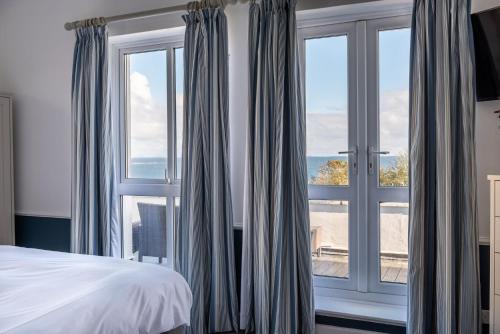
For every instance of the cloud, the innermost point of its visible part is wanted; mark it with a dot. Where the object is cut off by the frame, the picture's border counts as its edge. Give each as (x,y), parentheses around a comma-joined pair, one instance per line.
(394,116)
(339,108)
(327,131)
(148,120)
(179,102)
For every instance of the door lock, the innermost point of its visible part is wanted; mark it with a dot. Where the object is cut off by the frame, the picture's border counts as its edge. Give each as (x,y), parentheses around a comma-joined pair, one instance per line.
(371,158)
(354,154)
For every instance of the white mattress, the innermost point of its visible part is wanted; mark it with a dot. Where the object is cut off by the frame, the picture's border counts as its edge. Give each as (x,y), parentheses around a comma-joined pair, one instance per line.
(53,292)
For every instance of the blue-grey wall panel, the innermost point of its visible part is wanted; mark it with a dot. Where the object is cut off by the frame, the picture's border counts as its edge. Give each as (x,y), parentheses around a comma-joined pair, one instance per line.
(484,275)
(54,234)
(43,232)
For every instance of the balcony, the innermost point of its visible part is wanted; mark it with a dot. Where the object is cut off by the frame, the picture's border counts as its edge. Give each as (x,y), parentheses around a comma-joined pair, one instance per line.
(330,239)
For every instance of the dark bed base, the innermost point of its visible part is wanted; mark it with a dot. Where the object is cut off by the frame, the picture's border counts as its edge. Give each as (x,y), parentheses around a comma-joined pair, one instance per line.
(178,330)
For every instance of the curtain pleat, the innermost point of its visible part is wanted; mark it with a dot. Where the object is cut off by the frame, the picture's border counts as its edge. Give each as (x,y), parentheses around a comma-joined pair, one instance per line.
(95,223)
(276,292)
(443,278)
(204,234)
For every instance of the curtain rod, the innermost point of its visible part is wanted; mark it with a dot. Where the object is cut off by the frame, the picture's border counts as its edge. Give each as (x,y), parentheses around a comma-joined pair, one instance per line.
(116,18)
(146,13)
(153,12)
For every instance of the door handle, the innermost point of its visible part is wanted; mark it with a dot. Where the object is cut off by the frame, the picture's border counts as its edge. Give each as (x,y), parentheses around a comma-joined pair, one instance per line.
(371,158)
(354,154)
(347,152)
(380,152)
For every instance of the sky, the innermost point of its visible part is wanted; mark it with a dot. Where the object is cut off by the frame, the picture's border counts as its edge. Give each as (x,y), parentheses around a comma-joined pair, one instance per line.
(326,96)
(327,93)
(148,101)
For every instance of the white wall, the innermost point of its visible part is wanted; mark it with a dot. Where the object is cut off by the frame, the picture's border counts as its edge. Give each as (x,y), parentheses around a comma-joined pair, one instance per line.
(488,160)
(35,66)
(480,5)
(487,140)
(237,21)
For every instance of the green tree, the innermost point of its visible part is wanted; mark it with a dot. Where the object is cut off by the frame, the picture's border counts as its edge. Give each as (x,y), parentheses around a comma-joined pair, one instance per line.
(396,175)
(334,172)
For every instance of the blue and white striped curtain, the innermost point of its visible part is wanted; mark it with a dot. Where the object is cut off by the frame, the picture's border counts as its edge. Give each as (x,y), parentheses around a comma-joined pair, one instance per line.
(95,225)
(204,233)
(277,291)
(443,278)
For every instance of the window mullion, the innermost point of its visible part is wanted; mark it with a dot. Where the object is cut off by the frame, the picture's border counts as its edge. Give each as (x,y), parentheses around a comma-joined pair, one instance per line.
(170,231)
(170,115)
(379,194)
(363,242)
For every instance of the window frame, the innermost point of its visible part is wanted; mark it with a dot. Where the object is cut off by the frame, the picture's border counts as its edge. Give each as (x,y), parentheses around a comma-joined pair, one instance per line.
(331,192)
(377,193)
(168,188)
(364,235)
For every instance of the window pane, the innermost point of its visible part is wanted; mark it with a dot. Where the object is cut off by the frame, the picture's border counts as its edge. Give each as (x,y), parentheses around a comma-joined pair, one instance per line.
(330,237)
(394,70)
(147,115)
(177,210)
(145,229)
(393,242)
(327,110)
(179,102)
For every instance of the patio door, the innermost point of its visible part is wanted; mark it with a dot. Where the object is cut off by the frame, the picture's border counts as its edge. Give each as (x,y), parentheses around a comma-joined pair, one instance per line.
(329,55)
(387,152)
(356,88)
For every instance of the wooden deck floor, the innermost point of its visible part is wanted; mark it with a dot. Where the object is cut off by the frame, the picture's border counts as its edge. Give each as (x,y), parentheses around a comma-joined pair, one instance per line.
(393,270)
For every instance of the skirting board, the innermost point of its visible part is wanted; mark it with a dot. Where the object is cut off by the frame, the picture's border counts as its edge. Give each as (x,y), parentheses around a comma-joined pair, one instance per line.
(54,234)
(324,329)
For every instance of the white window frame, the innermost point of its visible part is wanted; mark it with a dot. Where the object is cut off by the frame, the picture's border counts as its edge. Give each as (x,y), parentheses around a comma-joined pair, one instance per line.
(376,193)
(347,193)
(361,24)
(168,188)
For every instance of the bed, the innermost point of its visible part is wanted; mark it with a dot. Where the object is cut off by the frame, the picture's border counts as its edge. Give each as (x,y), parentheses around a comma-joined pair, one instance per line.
(53,292)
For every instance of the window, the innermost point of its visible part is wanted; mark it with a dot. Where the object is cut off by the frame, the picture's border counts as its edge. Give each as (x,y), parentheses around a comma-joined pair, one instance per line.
(356,78)
(148,73)
(146,114)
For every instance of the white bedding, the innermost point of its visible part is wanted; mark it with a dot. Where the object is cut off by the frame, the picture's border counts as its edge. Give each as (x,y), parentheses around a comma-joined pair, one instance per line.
(53,292)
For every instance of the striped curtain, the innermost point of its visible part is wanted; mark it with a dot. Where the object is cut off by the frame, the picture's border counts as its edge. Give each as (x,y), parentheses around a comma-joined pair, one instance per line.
(277,292)
(443,281)
(95,225)
(204,234)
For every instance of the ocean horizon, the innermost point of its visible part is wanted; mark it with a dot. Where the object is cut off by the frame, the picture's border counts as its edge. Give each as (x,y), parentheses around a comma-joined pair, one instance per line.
(154,168)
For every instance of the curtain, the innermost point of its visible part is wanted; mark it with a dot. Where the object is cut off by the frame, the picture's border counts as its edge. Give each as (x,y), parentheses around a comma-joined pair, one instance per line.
(443,281)
(277,292)
(204,233)
(95,226)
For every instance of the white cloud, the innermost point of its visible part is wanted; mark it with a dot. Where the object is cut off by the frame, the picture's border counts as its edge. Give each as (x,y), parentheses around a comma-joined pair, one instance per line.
(327,132)
(179,101)
(148,120)
(394,116)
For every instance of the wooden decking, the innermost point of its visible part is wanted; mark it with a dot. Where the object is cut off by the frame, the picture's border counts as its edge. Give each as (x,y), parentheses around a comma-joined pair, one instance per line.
(393,270)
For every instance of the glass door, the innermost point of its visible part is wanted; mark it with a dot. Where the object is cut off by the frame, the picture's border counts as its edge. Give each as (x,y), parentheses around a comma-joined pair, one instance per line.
(356,84)
(329,64)
(387,151)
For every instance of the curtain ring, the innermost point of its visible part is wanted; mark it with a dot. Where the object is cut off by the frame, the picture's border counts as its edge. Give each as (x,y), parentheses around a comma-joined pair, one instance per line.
(93,22)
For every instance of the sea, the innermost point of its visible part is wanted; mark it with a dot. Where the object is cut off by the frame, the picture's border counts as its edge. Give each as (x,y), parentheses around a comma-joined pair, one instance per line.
(154,168)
